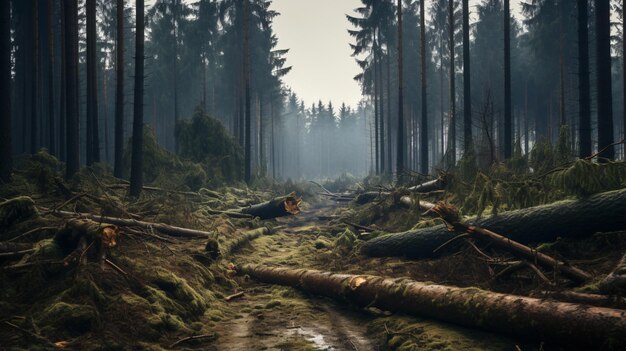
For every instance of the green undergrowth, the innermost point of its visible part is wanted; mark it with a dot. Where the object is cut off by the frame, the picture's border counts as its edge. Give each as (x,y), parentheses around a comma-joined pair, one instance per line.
(414,334)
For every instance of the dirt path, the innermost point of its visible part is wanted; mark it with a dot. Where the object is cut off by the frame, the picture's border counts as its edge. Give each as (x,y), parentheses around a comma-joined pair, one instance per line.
(281,318)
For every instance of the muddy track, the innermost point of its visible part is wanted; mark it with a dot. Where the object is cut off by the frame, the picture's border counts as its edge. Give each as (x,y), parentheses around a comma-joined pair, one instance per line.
(313,324)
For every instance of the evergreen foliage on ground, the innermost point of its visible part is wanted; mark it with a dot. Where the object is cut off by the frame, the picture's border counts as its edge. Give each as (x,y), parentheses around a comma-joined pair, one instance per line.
(204,140)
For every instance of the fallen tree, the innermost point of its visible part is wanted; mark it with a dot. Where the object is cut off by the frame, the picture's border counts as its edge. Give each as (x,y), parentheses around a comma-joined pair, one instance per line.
(231,246)
(278,207)
(161,227)
(563,323)
(569,218)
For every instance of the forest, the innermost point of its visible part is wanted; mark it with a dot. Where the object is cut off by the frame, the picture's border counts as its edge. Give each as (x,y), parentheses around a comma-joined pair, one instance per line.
(163,186)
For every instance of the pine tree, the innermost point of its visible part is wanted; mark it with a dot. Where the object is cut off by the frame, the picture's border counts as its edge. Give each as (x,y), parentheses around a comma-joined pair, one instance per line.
(508,125)
(93,140)
(71,84)
(584,104)
(467,87)
(424,125)
(400,137)
(603,80)
(5,91)
(119,91)
(136,167)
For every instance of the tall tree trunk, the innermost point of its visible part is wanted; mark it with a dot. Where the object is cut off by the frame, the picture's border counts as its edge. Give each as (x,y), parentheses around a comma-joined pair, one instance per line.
(52,124)
(93,142)
(381,112)
(584,100)
(452,117)
(441,109)
(248,117)
(5,91)
(35,81)
(624,75)
(105,95)
(376,109)
(508,141)
(71,76)
(467,88)
(400,137)
(63,88)
(388,158)
(136,167)
(603,71)
(176,116)
(119,91)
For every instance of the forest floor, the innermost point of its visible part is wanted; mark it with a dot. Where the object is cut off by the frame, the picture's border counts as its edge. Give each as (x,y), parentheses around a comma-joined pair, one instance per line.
(156,291)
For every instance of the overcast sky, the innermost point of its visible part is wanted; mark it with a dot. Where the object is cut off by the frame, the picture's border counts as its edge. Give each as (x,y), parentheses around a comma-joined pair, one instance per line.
(315,31)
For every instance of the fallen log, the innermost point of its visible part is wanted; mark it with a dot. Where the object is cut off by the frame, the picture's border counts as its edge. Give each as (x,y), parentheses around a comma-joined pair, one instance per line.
(201,192)
(563,323)
(586,298)
(451,216)
(278,207)
(14,250)
(569,218)
(436,184)
(163,228)
(615,282)
(245,237)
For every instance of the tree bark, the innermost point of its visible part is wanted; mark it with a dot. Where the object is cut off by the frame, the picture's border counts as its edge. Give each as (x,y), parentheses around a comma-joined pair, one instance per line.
(163,228)
(93,140)
(603,80)
(5,92)
(71,87)
(248,112)
(452,117)
(400,147)
(584,103)
(278,207)
(424,124)
(34,119)
(529,318)
(508,128)
(136,168)
(51,124)
(467,87)
(119,92)
(570,218)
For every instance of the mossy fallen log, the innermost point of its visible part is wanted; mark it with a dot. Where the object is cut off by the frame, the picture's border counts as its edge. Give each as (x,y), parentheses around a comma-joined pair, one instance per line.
(163,228)
(233,245)
(570,218)
(579,326)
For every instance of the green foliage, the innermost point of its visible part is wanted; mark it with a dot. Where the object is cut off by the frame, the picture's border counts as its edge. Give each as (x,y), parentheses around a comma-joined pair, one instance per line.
(204,140)
(563,147)
(164,168)
(345,241)
(15,211)
(584,178)
(542,158)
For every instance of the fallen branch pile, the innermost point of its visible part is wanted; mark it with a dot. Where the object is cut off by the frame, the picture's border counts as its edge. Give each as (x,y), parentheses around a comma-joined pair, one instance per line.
(569,218)
(567,324)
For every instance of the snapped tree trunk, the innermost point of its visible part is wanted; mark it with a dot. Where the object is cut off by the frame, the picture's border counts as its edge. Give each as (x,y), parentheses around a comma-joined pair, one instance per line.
(562,323)
(278,207)
(569,218)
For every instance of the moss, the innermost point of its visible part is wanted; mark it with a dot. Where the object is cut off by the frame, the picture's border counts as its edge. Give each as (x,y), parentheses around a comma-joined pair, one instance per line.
(345,241)
(407,333)
(16,210)
(76,319)
(272,304)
